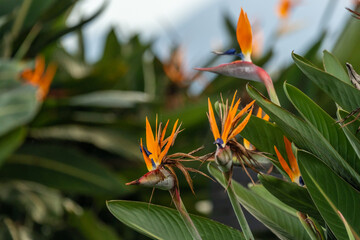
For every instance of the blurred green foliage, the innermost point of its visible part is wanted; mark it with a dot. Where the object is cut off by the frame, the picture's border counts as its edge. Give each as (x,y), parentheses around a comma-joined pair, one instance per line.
(61,158)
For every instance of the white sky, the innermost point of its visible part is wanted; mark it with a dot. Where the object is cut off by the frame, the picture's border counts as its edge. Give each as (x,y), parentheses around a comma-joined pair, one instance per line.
(198,24)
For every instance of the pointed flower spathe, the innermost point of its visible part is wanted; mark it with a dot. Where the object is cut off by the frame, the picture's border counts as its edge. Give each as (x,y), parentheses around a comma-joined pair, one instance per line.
(39,77)
(244,35)
(293,170)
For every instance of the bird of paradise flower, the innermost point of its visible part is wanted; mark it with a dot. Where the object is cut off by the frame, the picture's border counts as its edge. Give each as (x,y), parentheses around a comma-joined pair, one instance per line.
(40,78)
(160,167)
(244,68)
(293,170)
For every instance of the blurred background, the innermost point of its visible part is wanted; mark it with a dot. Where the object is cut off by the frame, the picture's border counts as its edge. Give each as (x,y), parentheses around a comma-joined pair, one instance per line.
(66,150)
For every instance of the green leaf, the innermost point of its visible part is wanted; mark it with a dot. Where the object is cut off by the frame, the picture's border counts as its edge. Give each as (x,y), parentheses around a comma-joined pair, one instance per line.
(291,194)
(106,139)
(342,93)
(62,168)
(330,194)
(17,107)
(334,67)
(279,218)
(10,142)
(305,136)
(327,126)
(110,99)
(160,222)
(350,130)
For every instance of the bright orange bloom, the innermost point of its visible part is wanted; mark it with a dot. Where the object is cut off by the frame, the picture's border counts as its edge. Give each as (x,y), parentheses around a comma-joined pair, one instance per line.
(229,121)
(39,77)
(156,147)
(259,114)
(292,171)
(284,7)
(174,67)
(244,35)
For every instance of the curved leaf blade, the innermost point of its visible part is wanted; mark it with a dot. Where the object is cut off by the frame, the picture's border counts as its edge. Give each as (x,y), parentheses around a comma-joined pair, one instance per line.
(342,93)
(325,124)
(291,194)
(279,218)
(334,67)
(306,137)
(330,194)
(160,222)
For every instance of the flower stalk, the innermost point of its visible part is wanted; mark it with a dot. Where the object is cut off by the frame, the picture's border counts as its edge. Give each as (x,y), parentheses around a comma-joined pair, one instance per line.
(237,208)
(175,195)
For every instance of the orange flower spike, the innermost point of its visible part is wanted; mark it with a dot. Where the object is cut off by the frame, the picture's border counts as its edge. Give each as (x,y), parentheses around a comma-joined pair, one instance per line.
(244,35)
(292,160)
(284,164)
(241,126)
(244,110)
(147,160)
(162,143)
(45,83)
(284,8)
(168,144)
(211,116)
(229,119)
(150,142)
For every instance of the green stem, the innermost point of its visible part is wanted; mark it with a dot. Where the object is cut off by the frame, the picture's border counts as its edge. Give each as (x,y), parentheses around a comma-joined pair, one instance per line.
(272,93)
(237,209)
(184,214)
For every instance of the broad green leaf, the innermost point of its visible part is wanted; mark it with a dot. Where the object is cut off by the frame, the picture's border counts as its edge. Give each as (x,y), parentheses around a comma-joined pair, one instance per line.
(350,130)
(334,67)
(110,99)
(342,93)
(17,107)
(279,218)
(62,168)
(264,135)
(291,194)
(325,124)
(305,136)
(10,142)
(160,222)
(106,139)
(330,194)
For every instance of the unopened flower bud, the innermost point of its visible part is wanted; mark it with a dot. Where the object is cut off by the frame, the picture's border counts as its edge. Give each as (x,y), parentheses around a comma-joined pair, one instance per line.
(223,158)
(158,178)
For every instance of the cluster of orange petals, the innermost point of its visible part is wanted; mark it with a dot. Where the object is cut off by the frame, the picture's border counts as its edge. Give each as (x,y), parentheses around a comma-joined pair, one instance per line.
(244,35)
(39,77)
(292,171)
(173,68)
(230,120)
(259,114)
(156,145)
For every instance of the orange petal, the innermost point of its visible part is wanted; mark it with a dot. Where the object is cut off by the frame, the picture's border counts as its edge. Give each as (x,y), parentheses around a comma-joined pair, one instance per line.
(146,158)
(283,9)
(259,113)
(266,117)
(244,35)
(168,144)
(248,145)
(230,120)
(161,143)
(244,110)
(292,160)
(212,121)
(241,126)
(284,164)
(150,141)
(44,84)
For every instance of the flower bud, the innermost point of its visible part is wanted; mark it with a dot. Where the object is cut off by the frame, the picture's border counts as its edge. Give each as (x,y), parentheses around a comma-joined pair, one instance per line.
(223,158)
(158,178)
